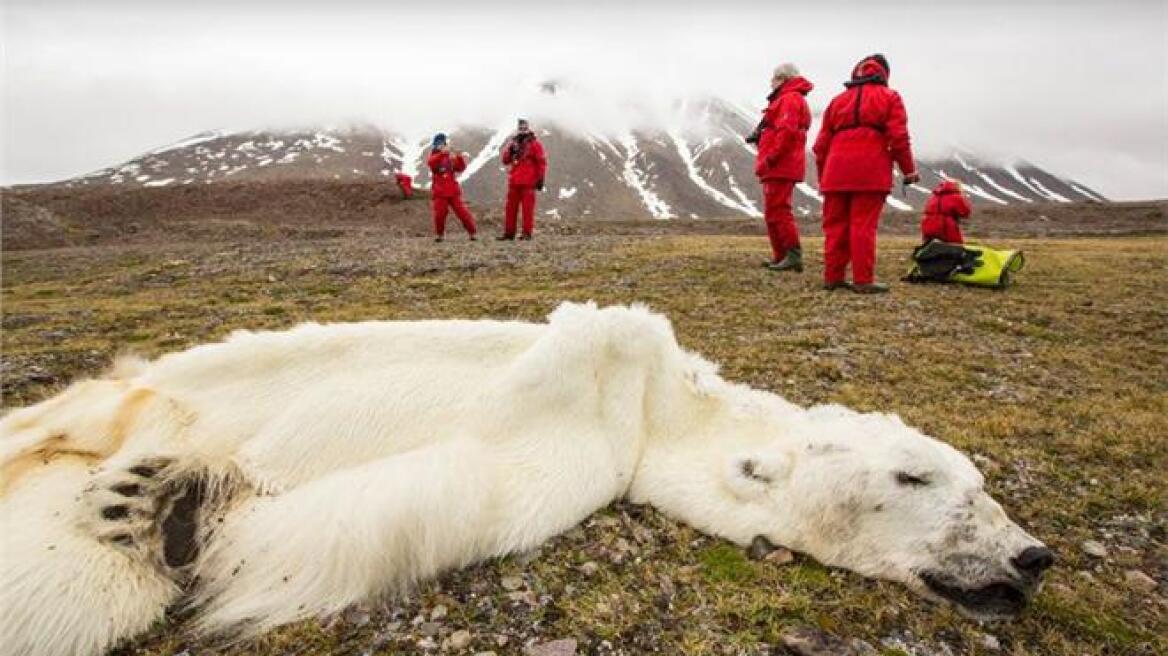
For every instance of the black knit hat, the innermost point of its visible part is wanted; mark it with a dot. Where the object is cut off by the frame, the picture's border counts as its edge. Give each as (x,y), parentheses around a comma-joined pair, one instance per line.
(879,58)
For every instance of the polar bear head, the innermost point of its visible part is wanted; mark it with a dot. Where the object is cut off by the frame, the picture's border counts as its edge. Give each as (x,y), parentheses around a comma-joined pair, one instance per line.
(867,493)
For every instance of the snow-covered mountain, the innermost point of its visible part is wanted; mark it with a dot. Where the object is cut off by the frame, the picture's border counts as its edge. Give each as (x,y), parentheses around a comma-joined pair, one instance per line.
(701,168)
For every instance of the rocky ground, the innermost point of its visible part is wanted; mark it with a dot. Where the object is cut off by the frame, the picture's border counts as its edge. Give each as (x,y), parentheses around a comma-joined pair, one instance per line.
(1058,388)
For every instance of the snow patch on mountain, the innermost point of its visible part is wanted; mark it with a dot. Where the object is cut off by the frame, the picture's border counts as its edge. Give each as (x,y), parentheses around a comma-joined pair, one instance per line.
(491,151)
(687,158)
(809,191)
(1089,194)
(982,193)
(639,181)
(742,197)
(993,183)
(1017,175)
(1048,193)
(389,156)
(898,204)
(410,157)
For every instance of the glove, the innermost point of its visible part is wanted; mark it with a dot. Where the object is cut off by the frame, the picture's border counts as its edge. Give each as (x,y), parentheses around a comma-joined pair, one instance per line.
(912,178)
(539,185)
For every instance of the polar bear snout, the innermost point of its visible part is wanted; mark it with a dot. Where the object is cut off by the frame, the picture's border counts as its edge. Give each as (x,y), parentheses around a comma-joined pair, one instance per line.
(985,590)
(1033,561)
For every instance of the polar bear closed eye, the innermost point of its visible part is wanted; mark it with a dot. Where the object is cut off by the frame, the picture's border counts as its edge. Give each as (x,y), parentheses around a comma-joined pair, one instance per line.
(416,447)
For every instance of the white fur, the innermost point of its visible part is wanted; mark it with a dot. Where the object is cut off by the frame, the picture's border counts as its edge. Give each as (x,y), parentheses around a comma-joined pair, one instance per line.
(354,459)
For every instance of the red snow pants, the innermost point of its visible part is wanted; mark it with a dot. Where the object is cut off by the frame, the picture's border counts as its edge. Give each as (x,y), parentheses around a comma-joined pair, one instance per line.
(780,222)
(519,195)
(850,219)
(440,206)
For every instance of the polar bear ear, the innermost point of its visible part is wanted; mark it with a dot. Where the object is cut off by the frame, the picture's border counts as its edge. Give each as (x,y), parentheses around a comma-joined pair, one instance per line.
(749,476)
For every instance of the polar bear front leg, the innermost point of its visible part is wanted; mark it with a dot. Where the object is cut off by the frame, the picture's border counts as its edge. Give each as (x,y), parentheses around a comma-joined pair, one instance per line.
(348,536)
(64,588)
(124,508)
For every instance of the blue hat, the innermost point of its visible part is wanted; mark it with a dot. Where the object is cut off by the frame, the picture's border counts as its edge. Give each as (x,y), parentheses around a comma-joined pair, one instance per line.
(439,140)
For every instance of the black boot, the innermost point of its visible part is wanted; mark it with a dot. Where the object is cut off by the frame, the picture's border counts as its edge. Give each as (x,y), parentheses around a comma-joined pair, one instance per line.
(871,288)
(793,261)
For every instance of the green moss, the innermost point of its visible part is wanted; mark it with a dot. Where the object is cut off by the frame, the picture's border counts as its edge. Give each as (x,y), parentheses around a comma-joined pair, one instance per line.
(726,563)
(1088,622)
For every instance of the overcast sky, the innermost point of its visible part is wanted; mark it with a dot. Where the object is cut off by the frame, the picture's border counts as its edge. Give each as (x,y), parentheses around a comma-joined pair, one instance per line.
(1080,88)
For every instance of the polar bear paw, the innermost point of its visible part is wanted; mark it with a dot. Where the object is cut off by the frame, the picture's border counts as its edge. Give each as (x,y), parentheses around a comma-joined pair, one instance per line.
(125,507)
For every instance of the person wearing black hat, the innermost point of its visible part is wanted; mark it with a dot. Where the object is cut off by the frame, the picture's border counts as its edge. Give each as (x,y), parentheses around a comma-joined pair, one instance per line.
(864,131)
(445,192)
(524,155)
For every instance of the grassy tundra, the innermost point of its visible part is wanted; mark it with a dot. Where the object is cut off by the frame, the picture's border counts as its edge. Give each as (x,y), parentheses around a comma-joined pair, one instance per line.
(1058,388)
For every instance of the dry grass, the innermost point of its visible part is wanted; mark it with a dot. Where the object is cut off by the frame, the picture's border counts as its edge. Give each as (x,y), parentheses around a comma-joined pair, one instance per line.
(1057,387)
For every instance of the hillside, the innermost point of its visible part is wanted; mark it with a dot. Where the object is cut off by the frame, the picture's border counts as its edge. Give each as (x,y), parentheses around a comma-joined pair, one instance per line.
(696,165)
(51,216)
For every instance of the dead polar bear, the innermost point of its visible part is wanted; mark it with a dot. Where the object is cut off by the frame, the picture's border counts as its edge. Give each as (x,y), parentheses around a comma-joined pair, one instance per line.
(335,463)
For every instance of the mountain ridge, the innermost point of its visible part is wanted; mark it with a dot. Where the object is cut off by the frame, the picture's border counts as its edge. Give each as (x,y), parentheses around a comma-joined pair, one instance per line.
(698,166)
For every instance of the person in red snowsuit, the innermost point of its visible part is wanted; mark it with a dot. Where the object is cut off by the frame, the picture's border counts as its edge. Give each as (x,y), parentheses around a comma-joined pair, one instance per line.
(445,191)
(523,154)
(864,131)
(943,212)
(782,141)
(405,183)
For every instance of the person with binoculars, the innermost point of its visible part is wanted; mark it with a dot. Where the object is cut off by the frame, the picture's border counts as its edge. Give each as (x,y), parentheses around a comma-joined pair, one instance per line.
(781,138)
(523,154)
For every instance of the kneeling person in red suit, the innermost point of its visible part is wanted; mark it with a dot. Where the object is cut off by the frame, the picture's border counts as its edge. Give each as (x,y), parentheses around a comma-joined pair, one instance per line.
(943,212)
(405,183)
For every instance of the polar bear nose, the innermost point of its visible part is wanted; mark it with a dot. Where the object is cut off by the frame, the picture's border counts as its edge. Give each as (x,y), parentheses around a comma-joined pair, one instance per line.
(1034,560)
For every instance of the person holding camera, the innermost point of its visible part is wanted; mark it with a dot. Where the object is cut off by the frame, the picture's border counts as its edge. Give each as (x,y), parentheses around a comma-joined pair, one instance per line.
(781,138)
(864,131)
(445,192)
(523,154)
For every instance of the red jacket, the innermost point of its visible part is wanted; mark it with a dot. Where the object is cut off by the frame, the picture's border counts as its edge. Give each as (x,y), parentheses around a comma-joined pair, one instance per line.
(527,161)
(944,209)
(444,170)
(865,130)
(405,183)
(783,144)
